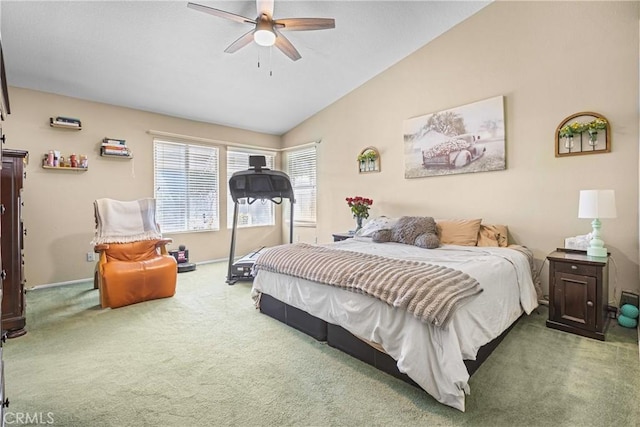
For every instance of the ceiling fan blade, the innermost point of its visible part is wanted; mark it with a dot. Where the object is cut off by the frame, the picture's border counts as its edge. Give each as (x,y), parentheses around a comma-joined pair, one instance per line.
(286,47)
(220,13)
(264,6)
(242,41)
(305,24)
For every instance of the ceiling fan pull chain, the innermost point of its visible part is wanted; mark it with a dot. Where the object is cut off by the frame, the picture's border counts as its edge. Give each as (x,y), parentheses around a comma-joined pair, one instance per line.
(270,61)
(258,58)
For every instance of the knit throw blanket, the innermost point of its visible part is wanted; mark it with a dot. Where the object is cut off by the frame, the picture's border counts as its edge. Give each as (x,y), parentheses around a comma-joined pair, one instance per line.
(124,222)
(432,293)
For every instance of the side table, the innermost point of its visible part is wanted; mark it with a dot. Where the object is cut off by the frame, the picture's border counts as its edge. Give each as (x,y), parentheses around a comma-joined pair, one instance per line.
(341,236)
(578,293)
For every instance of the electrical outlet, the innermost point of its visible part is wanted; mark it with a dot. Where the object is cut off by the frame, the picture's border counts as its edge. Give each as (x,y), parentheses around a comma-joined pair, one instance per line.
(90,257)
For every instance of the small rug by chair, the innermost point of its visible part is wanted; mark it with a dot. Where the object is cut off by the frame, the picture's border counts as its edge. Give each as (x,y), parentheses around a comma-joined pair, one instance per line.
(123,222)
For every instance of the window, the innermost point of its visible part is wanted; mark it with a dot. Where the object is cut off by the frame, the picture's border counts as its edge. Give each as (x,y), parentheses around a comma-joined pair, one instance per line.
(259,212)
(186,186)
(301,167)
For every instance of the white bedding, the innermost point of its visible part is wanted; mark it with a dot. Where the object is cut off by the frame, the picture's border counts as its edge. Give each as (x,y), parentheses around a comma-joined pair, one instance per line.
(431,356)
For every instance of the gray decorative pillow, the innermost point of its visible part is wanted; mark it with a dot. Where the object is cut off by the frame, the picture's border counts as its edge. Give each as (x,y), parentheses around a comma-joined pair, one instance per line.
(411,230)
(381,236)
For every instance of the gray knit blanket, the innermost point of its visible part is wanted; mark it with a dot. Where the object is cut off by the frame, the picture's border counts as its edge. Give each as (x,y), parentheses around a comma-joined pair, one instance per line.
(432,293)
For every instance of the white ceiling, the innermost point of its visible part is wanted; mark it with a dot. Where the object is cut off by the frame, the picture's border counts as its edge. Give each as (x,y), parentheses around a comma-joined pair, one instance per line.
(163,57)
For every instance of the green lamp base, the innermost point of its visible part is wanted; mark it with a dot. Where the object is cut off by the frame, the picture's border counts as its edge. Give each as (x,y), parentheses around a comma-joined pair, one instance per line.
(597,252)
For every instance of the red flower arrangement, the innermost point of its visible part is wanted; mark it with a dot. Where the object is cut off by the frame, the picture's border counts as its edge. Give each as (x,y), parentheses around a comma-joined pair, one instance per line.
(359,206)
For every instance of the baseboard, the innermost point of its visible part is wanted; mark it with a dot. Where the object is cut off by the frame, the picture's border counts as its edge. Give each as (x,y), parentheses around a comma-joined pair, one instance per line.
(55,285)
(90,279)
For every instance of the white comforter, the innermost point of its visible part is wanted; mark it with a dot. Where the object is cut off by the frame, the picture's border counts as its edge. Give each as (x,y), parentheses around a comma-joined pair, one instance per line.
(431,356)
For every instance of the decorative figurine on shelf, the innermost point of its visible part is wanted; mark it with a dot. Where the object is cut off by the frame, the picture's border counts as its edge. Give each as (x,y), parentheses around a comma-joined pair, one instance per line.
(359,208)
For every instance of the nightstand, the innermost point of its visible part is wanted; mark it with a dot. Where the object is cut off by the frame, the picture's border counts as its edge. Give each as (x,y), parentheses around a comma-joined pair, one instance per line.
(341,236)
(578,293)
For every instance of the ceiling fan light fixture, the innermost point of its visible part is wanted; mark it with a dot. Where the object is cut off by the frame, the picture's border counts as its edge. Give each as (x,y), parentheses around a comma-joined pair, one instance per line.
(267,31)
(264,37)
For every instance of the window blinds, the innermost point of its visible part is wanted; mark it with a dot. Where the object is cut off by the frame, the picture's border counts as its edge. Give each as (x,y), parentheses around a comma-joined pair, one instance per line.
(301,168)
(186,186)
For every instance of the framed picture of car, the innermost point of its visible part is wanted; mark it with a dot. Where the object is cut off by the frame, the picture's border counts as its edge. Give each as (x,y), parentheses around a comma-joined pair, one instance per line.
(464,139)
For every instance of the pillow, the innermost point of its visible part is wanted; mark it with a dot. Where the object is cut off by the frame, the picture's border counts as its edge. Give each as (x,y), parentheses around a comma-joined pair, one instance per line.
(493,235)
(380,223)
(463,232)
(410,230)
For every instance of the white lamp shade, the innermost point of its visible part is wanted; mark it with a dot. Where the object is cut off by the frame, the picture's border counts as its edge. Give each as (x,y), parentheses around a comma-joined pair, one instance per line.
(264,37)
(597,204)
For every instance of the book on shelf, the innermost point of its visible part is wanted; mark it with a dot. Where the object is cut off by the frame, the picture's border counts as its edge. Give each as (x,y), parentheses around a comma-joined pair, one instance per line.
(110,152)
(113,141)
(67,119)
(63,123)
(114,147)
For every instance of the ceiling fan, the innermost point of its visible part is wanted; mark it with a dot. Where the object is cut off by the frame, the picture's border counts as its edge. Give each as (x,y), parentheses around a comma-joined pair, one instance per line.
(267,30)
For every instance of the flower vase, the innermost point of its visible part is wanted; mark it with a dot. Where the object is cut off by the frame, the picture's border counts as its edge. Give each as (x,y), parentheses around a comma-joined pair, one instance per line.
(568,142)
(358,223)
(593,139)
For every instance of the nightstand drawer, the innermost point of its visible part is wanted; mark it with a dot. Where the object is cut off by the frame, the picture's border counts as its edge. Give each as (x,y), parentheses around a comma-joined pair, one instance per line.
(574,268)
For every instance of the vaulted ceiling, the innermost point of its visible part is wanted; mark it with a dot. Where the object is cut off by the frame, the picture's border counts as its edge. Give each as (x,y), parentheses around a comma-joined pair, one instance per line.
(163,57)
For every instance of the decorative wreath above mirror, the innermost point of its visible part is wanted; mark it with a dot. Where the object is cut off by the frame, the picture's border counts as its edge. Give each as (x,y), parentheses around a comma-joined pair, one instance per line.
(369,160)
(583,133)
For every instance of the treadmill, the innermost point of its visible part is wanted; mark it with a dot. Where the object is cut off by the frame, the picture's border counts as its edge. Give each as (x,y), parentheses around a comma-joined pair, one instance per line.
(256,183)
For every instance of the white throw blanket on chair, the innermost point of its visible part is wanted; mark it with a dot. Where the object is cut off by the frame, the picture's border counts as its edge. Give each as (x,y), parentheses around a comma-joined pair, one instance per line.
(123,222)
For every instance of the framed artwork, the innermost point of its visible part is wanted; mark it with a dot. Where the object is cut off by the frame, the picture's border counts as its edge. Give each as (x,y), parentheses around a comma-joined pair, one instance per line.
(464,139)
(583,133)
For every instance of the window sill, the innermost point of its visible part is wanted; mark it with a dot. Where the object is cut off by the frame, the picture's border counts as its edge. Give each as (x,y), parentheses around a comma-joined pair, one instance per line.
(302,225)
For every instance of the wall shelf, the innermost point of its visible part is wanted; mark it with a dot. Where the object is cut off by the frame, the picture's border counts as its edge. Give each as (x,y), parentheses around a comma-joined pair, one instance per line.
(116,156)
(55,123)
(114,147)
(64,168)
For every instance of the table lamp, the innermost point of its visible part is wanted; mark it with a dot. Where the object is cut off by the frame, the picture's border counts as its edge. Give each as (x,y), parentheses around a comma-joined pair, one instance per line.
(596,204)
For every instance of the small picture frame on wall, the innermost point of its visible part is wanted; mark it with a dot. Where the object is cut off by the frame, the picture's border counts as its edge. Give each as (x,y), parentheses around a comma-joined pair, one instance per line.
(583,133)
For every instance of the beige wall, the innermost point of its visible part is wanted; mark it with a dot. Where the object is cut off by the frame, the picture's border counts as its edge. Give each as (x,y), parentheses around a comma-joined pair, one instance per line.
(546,66)
(549,60)
(58,212)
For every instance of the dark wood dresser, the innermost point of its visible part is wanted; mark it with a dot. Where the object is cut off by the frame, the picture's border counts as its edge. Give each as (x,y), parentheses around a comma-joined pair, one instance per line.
(13,304)
(4,111)
(578,293)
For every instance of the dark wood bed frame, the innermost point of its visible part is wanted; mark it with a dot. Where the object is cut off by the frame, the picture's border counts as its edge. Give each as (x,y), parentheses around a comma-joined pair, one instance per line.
(343,340)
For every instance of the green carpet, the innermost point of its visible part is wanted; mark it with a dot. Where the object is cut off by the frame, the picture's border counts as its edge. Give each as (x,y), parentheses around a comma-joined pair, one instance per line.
(206,357)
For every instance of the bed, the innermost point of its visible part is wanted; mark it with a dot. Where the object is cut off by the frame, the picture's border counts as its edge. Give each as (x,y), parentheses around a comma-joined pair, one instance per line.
(431,356)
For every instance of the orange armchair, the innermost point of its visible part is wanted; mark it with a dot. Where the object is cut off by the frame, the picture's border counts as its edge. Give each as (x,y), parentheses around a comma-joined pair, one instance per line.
(128,273)
(134,265)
